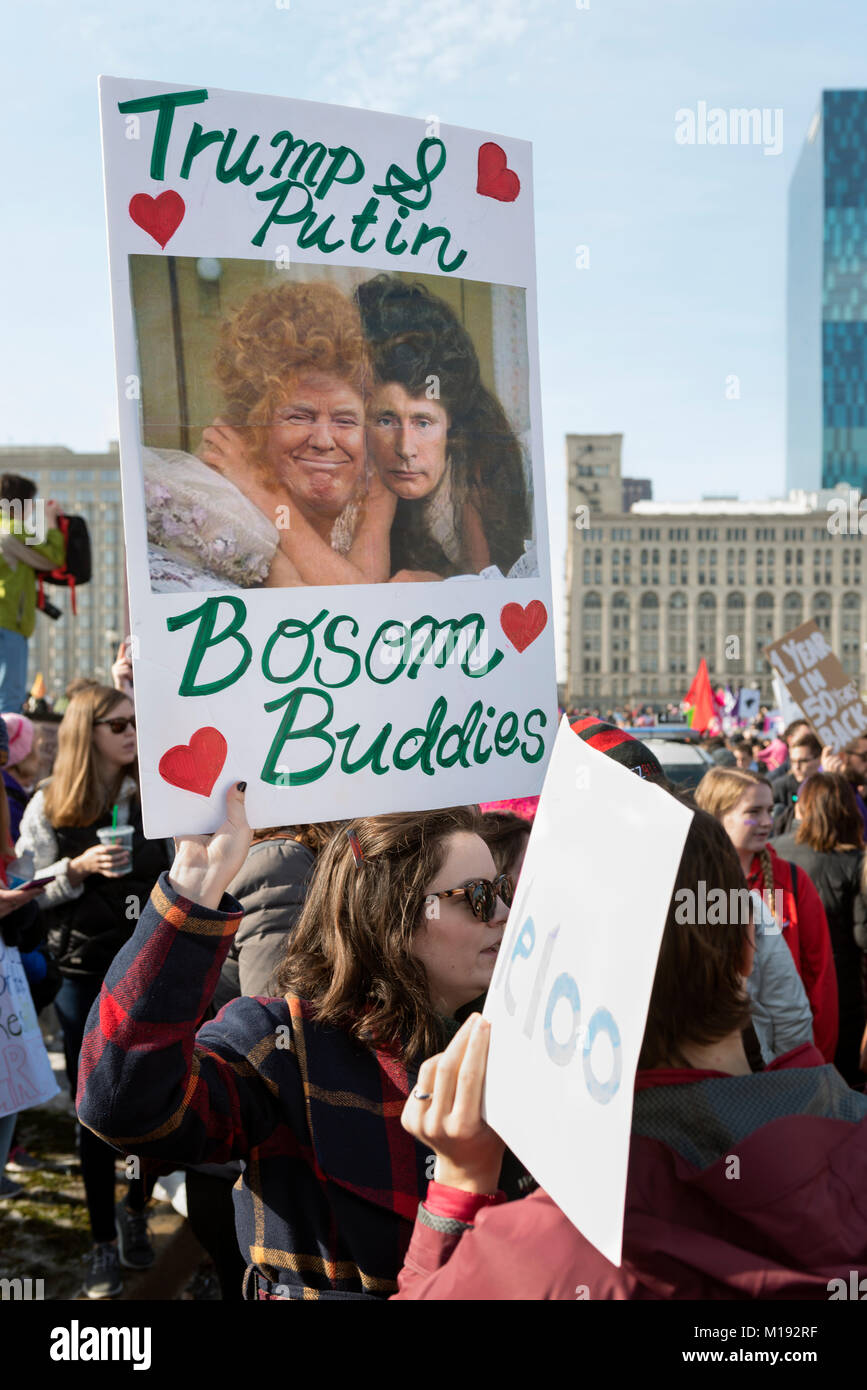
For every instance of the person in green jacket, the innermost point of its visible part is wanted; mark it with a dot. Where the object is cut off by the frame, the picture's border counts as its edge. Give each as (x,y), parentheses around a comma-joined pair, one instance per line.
(22,551)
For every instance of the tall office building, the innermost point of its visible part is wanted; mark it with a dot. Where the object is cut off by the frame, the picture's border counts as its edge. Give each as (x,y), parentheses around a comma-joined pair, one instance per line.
(89,486)
(827,299)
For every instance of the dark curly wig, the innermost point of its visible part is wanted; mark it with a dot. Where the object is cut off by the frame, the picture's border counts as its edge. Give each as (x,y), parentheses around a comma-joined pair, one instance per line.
(413,335)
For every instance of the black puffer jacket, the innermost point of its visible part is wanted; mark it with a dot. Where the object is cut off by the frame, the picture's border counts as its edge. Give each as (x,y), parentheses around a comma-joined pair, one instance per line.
(271,888)
(837,878)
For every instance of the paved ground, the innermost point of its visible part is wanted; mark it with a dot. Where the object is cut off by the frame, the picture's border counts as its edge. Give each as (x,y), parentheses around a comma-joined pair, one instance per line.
(44,1232)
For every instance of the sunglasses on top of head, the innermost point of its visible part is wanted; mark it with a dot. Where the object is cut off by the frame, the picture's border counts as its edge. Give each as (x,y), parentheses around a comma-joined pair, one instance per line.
(482,894)
(118,726)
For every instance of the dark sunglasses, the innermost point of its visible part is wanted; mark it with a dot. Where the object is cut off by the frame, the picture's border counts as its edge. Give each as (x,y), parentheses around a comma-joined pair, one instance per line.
(482,895)
(117,726)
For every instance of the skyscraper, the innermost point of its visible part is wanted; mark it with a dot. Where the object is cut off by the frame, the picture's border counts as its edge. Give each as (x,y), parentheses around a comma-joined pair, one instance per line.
(827,299)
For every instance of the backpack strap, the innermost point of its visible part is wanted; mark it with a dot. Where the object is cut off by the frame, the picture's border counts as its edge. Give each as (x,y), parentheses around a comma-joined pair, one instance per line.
(794,869)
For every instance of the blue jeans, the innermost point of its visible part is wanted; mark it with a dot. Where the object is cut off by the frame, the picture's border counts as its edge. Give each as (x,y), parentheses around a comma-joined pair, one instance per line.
(13,670)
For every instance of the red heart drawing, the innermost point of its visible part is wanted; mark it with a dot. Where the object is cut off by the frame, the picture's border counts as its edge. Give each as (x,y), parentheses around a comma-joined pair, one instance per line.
(159,217)
(496,179)
(195,766)
(523,625)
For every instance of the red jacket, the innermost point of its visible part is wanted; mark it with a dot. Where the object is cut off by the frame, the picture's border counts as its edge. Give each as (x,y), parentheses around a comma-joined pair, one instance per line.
(805,932)
(717,1205)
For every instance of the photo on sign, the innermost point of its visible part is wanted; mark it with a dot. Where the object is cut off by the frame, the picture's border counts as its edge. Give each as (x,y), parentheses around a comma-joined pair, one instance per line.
(317,425)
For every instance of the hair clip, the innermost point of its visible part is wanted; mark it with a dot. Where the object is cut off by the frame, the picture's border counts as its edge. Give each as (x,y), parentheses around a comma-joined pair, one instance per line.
(357,851)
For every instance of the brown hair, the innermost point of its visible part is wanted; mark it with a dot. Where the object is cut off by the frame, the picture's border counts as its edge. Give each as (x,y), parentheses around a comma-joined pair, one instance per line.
(505,834)
(350,954)
(721,788)
(791,727)
(275,335)
(315,837)
(829,815)
(806,739)
(75,795)
(698,993)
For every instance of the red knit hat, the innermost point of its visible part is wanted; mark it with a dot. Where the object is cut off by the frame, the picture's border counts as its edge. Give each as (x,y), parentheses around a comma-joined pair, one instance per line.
(622,747)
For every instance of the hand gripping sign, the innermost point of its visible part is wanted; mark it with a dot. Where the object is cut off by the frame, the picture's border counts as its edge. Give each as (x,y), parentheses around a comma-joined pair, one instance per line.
(568,1001)
(331,456)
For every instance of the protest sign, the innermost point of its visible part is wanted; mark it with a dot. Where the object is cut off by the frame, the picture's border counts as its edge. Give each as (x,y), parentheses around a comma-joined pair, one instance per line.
(749,703)
(569,997)
(26,1077)
(328,379)
(788,709)
(816,682)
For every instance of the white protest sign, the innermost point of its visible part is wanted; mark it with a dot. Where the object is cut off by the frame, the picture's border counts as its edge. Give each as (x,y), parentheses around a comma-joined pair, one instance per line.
(325,332)
(789,709)
(26,1077)
(568,1001)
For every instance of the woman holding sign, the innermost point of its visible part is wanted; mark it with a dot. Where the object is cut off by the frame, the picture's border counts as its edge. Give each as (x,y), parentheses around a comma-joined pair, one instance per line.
(700,1120)
(400,930)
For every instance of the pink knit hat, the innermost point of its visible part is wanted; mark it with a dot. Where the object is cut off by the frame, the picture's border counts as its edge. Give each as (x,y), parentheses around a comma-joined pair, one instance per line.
(20,731)
(525,807)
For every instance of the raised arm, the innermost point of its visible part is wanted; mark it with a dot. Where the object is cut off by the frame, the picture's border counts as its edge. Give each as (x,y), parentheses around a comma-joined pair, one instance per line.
(148,1082)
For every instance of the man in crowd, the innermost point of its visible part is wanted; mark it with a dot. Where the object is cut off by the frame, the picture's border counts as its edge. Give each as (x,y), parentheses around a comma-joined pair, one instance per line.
(19,559)
(852,763)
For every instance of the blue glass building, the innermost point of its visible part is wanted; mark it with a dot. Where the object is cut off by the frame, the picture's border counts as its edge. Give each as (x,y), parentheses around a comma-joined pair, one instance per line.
(827,299)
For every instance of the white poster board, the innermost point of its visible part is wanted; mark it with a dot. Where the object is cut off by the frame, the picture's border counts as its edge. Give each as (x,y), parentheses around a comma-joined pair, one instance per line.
(569,997)
(295,432)
(26,1077)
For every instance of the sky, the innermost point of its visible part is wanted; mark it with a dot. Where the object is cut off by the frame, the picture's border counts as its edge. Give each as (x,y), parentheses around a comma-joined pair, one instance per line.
(685,286)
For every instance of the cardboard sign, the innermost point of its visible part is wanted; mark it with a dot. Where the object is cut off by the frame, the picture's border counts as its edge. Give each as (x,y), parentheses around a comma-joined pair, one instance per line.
(568,1001)
(816,682)
(26,1077)
(330,438)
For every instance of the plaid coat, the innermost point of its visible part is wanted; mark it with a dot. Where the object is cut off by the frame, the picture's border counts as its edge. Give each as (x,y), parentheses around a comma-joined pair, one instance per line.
(327,1202)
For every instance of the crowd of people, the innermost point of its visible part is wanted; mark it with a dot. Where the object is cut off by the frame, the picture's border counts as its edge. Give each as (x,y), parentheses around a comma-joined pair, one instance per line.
(292,1019)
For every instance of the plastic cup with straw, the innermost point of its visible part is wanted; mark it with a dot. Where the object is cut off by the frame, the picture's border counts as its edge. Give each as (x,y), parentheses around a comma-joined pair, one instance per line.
(121,835)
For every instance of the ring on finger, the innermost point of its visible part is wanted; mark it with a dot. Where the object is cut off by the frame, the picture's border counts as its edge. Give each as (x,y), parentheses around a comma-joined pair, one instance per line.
(421,1095)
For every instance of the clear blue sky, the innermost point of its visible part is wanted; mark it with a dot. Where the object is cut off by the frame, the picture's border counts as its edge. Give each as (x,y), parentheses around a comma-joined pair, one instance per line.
(687,244)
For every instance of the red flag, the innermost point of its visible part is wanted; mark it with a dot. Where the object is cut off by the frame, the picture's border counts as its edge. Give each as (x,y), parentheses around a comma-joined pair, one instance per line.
(700,698)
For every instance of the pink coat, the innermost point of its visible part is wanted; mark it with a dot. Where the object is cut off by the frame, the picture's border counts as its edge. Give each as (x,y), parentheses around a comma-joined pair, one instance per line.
(717,1205)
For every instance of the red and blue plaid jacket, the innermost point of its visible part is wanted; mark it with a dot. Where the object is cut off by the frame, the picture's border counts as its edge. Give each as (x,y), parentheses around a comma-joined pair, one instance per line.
(328,1198)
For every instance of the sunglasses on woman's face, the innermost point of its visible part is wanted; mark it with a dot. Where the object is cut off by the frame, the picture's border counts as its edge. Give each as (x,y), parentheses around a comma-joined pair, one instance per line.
(118,726)
(482,894)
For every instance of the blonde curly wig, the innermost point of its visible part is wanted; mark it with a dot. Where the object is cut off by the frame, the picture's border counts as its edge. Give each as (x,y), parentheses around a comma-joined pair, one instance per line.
(274,336)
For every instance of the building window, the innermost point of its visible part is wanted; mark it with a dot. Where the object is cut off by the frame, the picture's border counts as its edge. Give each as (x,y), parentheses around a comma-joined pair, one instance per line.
(850,634)
(648,639)
(734,637)
(706,629)
(765,630)
(822,614)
